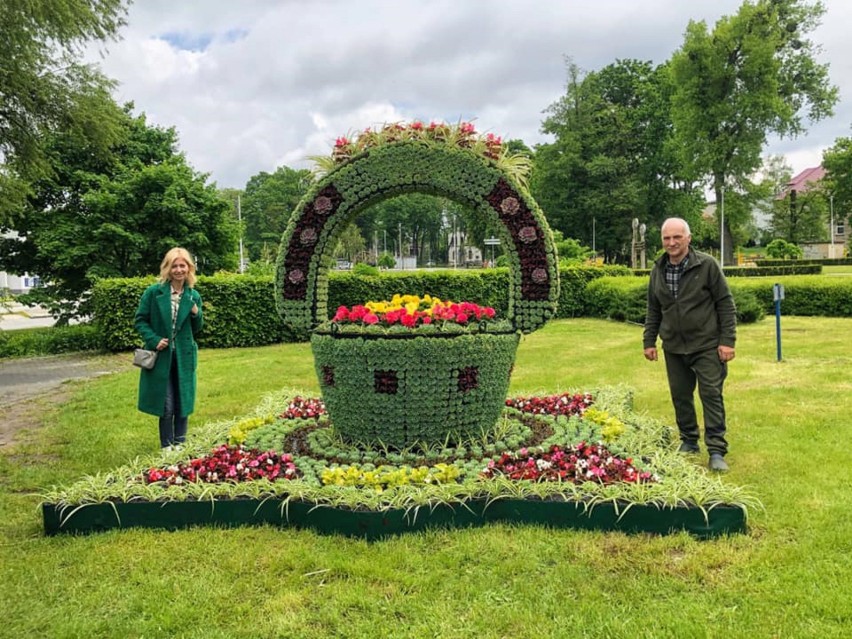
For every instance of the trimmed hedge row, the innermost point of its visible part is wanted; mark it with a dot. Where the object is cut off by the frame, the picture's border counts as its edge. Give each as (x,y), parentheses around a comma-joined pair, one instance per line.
(239,310)
(805,295)
(51,340)
(625,299)
(842,261)
(784,267)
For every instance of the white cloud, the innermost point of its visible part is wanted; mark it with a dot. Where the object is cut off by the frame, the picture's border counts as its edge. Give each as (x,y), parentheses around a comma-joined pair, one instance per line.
(250,86)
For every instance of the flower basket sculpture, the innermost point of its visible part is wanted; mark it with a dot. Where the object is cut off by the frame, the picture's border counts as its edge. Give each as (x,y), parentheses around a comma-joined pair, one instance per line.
(399,381)
(403,385)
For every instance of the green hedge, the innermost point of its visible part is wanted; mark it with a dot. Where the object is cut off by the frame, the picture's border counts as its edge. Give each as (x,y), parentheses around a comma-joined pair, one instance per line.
(239,309)
(805,295)
(625,299)
(783,267)
(844,261)
(51,340)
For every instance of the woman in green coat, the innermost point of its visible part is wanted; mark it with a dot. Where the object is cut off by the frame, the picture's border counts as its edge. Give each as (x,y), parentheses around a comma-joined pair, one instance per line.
(168,319)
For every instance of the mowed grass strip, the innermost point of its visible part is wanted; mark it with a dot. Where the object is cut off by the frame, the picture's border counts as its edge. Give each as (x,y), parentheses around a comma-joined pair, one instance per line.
(788,577)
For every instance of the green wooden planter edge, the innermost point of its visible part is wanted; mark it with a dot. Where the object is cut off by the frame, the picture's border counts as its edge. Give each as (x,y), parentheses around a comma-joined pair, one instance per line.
(372,525)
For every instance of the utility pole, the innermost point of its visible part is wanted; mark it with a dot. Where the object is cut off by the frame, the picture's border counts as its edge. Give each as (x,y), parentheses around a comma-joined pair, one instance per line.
(831,225)
(722,230)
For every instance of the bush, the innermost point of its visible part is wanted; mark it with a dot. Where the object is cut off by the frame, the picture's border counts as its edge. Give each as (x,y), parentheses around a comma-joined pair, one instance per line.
(805,295)
(749,307)
(30,342)
(386,260)
(626,299)
(362,268)
(782,249)
(765,269)
(239,310)
(842,261)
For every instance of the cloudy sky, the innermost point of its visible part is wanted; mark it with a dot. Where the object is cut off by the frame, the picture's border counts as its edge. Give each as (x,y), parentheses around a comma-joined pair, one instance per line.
(256,84)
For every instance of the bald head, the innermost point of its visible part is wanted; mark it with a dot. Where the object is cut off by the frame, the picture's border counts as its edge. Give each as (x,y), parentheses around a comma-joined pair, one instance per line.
(676,238)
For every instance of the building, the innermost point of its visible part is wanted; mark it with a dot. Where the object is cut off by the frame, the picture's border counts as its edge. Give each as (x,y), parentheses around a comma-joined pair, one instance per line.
(838,224)
(17,284)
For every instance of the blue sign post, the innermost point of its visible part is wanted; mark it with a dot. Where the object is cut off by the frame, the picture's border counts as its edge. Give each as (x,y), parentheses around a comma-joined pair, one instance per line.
(777,296)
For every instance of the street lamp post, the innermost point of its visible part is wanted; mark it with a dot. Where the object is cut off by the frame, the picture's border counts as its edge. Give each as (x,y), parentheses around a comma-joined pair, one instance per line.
(722,229)
(240,222)
(831,225)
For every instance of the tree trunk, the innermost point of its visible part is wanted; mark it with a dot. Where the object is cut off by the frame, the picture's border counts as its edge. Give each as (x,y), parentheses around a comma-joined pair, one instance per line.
(725,235)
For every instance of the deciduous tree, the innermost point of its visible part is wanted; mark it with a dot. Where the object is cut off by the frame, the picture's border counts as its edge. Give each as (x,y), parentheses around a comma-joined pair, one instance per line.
(114,213)
(267,202)
(45,88)
(754,74)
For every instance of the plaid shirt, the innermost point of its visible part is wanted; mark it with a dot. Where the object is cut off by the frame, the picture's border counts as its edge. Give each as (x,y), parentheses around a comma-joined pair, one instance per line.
(673,273)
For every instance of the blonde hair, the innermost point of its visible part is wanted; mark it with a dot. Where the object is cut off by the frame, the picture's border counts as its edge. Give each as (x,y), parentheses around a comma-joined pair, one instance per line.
(168,260)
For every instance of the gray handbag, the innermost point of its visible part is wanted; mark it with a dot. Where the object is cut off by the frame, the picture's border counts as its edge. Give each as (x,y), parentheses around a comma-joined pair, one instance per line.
(144,358)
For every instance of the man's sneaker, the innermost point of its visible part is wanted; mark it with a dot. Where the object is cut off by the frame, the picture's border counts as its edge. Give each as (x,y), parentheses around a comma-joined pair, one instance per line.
(717,463)
(686,447)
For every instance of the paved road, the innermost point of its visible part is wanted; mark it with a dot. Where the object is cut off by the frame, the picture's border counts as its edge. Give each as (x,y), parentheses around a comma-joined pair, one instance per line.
(26,378)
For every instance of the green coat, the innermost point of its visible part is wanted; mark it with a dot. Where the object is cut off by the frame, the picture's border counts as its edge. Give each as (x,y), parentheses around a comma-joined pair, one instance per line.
(153,322)
(702,317)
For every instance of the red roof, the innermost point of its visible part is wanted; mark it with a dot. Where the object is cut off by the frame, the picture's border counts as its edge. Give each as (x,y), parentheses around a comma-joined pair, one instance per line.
(804,181)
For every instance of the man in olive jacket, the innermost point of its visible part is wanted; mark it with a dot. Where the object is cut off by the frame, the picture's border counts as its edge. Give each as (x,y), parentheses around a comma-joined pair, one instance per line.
(691,308)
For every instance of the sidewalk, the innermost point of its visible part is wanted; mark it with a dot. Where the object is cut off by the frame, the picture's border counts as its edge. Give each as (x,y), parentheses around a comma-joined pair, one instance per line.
(17,316)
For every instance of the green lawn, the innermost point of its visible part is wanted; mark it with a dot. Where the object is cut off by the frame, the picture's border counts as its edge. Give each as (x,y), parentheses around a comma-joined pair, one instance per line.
(788,577)
(837,270)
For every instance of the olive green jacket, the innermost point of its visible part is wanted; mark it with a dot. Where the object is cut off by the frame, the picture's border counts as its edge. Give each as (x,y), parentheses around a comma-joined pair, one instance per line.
(702,317)
(153,322)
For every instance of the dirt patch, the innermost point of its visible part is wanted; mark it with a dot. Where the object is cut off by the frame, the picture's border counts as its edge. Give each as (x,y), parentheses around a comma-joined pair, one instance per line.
(29,386)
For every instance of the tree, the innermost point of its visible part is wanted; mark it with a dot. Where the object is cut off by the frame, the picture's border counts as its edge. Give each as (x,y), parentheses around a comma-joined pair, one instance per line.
(837,162)
(754,74)
(114,214)
(800,216)
(350,245)
(780,249)
(417,216)
(611,160)
(268,200)
(44,88)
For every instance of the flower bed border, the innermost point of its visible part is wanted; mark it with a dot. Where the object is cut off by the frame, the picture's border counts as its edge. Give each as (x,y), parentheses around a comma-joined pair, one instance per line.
(375,525)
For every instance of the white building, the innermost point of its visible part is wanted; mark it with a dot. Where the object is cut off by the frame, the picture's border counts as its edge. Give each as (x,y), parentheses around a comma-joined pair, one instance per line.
(17,284)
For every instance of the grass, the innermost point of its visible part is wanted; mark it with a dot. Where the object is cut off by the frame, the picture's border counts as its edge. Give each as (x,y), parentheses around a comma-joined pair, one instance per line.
(788,577)
(844,270)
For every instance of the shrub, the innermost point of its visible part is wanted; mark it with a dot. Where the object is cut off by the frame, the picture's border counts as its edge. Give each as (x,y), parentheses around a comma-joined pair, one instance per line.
(362,268)
(30,342)
(782,249)
(805,295)
(626,299)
